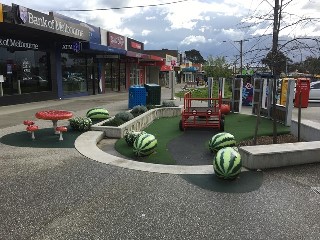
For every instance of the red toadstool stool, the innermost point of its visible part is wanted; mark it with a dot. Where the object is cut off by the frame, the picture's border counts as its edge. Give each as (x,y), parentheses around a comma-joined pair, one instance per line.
(61,129)
(28,122)
(32,129)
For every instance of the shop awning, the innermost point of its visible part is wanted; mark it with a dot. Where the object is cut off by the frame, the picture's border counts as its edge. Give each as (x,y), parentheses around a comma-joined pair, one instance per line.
(88,46)
(137,55)
(190,69)
(166,68)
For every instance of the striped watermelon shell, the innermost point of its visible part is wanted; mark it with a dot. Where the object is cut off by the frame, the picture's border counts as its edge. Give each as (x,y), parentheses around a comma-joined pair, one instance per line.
(221,140)
(227,163)
(98,113)
(131,136)
(144,145)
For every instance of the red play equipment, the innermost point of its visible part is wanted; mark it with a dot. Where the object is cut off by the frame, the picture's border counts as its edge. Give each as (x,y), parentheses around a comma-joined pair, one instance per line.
(201,117)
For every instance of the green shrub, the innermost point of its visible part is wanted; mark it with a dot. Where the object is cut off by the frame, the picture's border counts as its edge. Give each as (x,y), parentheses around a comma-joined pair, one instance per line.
(151,106)
(131,136)
(125,116)
(137,110)
(168,104)
(115,122)
(81,124)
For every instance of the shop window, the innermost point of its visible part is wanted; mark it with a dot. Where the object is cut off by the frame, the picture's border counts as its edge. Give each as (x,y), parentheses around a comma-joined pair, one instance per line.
(24,71)
(115,76)
(134,75)
(74,73)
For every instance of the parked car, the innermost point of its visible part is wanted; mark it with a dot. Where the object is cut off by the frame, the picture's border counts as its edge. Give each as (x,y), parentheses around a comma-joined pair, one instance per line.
(314,91)
(40,81)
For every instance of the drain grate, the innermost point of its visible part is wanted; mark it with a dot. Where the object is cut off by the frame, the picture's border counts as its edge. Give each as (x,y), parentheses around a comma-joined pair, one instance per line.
(316,189)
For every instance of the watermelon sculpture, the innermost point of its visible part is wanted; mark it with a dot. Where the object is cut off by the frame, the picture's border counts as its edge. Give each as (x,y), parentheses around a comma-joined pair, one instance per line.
(144,145)
(131,136)
(97,113)
(227,163)
(221,140)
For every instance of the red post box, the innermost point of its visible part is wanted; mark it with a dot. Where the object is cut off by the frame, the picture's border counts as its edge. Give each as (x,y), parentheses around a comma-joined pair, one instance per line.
(303,87)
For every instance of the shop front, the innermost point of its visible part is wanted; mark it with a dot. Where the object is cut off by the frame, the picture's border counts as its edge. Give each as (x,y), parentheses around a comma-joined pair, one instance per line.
(135,52)
(30,47)
(113,66)
(152,65)
(144,68)
(80,70)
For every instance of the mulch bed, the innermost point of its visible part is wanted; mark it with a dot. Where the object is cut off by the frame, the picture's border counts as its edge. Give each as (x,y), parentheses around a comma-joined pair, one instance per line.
(266,140)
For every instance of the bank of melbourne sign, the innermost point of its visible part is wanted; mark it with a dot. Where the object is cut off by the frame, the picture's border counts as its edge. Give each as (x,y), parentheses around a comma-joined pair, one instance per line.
(50,23)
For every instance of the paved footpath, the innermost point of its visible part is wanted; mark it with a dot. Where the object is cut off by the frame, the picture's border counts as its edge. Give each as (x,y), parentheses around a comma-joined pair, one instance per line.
(59,194)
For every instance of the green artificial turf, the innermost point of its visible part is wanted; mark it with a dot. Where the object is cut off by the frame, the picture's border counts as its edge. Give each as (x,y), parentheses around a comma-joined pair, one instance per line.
(242,126)
(166,129)
(44,138)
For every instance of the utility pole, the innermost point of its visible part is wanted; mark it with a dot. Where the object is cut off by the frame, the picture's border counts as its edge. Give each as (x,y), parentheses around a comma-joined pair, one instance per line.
(241,54)
(275,38)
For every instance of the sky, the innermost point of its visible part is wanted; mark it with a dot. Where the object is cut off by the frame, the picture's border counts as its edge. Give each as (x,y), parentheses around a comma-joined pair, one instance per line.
(213,27)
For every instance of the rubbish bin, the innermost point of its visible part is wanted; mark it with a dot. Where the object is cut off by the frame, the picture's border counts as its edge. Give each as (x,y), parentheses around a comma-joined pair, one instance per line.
(137,96)
(303,87)
(153,94)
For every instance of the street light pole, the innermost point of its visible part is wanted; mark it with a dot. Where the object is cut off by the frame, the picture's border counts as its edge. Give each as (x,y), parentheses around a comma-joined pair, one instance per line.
(241,52)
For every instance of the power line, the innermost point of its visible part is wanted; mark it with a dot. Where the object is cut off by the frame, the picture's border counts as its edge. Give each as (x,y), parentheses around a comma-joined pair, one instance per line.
(119,8)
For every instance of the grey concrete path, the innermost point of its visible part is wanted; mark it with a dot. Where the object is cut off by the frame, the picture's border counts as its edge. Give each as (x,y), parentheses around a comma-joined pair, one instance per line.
(59,194)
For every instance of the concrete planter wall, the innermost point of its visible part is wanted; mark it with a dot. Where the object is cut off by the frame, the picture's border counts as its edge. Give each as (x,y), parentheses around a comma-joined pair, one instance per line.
(288,154)
(138,123)
(309,130)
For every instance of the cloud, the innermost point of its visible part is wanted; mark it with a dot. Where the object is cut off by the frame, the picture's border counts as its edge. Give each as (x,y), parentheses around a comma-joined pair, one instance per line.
(232,33)
(204,28)
(145,32)
(150,18)
(193,39)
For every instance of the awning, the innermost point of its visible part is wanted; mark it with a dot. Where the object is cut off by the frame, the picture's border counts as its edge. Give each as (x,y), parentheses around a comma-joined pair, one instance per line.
(190,69)
(166,68)
(137,55)
(151,63)
(88,46)
(156,58)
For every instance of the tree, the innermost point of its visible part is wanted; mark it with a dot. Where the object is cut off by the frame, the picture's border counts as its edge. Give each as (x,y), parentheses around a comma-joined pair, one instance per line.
(194,56)
(312,65)
(277,61)
(217,67)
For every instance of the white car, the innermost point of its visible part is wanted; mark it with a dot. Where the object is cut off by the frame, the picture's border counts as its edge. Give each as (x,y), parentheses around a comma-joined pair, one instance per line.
(314,91)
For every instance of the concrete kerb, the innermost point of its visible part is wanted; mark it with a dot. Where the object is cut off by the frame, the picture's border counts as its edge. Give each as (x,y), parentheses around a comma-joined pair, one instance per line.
(86,144)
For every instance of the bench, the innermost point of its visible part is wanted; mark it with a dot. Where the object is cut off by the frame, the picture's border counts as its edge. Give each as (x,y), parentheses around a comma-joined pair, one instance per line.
(280,155)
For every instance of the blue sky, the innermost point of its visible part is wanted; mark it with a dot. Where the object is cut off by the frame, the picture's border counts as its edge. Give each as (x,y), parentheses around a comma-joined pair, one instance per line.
(211,27)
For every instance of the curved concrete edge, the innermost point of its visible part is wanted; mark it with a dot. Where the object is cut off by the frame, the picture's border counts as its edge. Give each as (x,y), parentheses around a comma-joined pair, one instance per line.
(86,144)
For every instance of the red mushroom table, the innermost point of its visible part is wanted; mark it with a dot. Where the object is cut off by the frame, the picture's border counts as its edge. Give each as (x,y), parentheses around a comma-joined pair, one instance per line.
(54,116)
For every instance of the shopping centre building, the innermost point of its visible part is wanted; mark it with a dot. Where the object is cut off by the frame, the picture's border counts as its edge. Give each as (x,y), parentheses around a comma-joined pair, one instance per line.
(51,56)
